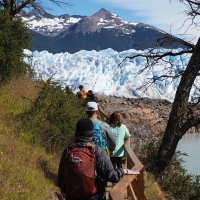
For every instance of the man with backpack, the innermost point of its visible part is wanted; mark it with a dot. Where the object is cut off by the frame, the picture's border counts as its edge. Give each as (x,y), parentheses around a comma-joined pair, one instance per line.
(103,135)
(81,94)
(84,167)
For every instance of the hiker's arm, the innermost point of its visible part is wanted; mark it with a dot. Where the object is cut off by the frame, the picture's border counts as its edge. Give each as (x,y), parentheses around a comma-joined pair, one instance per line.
(127,134)
(110,137)
(96,99)
(105,168)
(78,95)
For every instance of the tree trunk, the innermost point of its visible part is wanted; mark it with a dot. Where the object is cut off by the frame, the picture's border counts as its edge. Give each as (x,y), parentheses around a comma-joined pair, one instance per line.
(174,130)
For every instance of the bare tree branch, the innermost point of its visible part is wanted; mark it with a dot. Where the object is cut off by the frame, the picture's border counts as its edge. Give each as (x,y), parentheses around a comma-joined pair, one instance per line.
(153,56)
(14,7)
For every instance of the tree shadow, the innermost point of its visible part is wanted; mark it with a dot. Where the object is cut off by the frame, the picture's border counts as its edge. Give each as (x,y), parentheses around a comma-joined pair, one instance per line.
(43,164)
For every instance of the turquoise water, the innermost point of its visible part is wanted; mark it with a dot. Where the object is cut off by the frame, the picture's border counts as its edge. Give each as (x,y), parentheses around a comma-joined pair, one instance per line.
(190,144)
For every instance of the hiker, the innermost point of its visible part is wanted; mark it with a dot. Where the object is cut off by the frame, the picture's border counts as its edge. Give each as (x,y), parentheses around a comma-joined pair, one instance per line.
(103,136)
(121,133)
(92,96)
(82,177)
(81,94)
(68,89)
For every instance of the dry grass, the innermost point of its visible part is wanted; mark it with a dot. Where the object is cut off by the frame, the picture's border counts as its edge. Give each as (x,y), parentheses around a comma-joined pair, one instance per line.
(152,189)
(26,172)
(14,96)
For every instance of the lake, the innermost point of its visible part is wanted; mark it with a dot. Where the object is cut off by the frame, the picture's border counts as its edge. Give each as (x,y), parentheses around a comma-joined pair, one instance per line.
(190,144)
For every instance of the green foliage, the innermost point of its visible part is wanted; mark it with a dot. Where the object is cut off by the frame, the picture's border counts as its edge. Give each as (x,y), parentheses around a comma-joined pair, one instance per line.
(14,37)
(147,152)
(175,180)
(53,116)
(179,183)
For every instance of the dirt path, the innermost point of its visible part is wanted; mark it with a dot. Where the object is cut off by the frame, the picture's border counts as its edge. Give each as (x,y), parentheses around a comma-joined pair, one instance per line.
(55,194)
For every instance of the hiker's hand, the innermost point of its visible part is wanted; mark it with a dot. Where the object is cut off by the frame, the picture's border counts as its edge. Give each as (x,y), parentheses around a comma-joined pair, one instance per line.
(128,171)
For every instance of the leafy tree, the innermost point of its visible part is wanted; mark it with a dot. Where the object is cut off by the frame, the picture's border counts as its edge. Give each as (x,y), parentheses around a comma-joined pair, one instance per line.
(14,37)
(184,114)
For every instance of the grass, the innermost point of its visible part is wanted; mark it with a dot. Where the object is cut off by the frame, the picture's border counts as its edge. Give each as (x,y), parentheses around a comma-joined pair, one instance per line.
(26,171)
(22,172)
(152,189)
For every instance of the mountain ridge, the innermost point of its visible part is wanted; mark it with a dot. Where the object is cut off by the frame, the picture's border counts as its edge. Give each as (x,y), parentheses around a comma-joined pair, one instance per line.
(99,31)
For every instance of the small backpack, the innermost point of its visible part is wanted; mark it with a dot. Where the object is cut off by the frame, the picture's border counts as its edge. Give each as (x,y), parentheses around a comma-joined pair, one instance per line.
(79,169)
(83,94)
(99,138)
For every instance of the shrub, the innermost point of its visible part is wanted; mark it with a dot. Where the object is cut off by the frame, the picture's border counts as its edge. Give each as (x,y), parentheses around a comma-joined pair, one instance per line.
(175,180)
(52,117)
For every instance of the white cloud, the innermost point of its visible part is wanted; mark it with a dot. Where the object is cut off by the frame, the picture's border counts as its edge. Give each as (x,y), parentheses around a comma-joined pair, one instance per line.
(160,13)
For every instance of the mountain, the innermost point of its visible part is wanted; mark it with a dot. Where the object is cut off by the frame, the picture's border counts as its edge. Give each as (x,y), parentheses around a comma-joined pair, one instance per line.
(49,25)
(100,31)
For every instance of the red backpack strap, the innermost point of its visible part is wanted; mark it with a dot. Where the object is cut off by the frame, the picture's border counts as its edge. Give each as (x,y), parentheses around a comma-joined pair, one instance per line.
(70,147)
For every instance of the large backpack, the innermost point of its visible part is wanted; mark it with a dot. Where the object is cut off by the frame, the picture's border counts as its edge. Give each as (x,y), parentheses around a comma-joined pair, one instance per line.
(79,169)
(99,137)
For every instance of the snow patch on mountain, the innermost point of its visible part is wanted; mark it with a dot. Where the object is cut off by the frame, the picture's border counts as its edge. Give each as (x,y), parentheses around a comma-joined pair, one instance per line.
(50,26)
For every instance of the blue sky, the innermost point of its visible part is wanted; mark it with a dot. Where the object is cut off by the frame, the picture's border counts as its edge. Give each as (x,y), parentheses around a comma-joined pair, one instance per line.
(159,13)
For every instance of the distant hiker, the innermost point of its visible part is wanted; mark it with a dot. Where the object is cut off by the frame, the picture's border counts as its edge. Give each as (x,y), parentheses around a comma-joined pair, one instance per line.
(81,94)
(68,89)
(82,177)
(121,133)
(103,136)
(92,96)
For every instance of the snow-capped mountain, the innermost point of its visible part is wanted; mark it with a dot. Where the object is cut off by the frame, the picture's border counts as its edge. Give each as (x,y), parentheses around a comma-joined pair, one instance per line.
(53,25)
(100,72)
(103,19)
(100,31)
(50,25)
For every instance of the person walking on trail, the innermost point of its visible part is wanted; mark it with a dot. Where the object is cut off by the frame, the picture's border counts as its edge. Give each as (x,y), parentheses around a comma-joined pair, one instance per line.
(84,167)
(81,94)
(103,135)
(91,96)
(121,134)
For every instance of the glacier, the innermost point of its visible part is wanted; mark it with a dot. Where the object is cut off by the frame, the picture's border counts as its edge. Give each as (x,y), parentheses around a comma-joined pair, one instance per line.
(101,72)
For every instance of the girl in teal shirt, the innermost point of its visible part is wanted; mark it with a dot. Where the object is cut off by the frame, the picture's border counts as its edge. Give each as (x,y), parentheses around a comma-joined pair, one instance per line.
(121,133)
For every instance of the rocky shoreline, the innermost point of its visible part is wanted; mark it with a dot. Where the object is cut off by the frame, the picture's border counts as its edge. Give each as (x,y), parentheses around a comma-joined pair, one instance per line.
(143,116)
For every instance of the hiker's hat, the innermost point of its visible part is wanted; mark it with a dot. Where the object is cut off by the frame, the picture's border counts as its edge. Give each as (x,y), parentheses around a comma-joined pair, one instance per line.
(84,127)
(91,106)
(80,87)
(91,92)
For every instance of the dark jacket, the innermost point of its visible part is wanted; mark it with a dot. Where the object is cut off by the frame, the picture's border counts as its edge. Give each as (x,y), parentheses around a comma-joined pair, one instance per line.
(104,169)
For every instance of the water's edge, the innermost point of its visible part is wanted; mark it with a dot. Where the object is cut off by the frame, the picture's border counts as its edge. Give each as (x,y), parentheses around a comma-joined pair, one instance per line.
(190,144)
